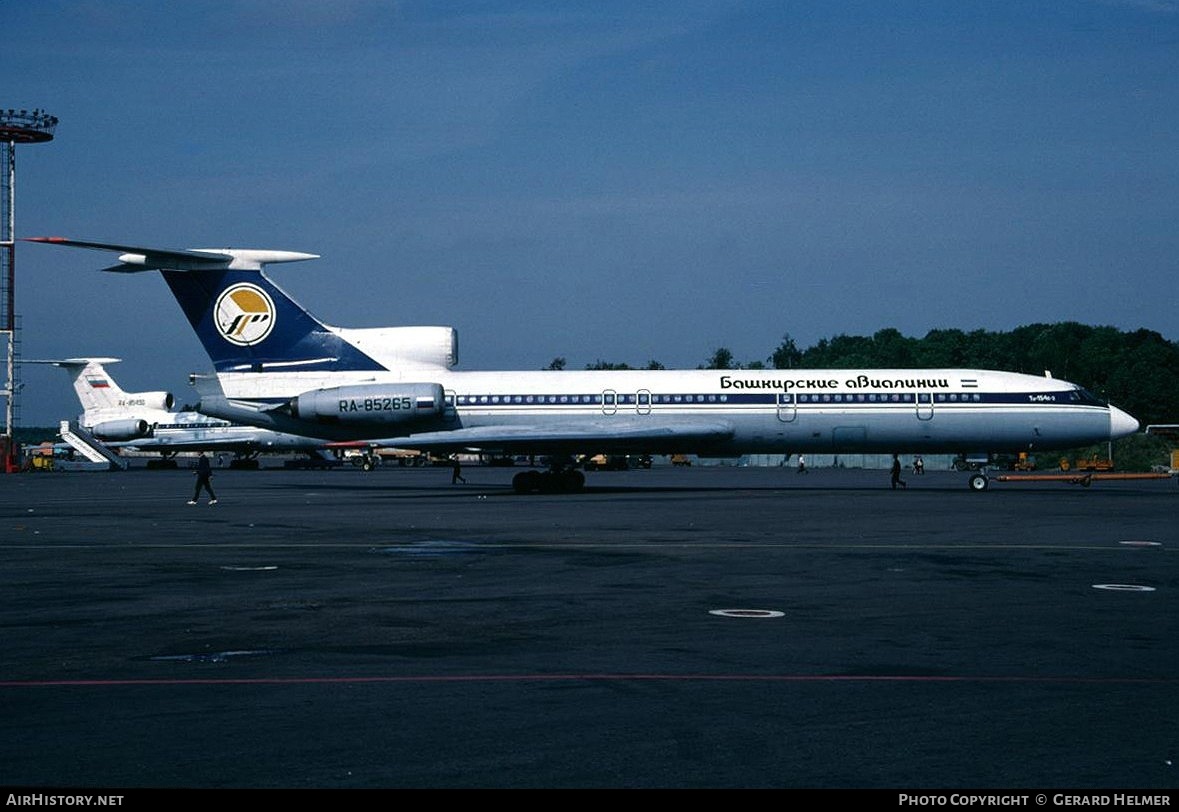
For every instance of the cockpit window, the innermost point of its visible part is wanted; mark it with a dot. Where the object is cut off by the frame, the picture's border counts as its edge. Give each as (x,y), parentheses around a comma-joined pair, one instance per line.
(1082,395)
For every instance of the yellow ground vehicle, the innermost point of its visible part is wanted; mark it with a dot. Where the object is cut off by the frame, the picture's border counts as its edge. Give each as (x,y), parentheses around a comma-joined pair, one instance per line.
(615,462)
(40,458)
(1094,463)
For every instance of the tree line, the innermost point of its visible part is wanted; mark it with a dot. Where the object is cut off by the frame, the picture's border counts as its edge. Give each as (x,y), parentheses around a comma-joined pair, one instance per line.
(1137,370)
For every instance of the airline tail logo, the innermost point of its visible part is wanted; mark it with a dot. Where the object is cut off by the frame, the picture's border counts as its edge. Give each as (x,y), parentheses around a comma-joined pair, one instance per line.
(244,314)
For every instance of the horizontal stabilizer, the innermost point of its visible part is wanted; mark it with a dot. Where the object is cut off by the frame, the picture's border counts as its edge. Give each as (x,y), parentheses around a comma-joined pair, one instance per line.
(71,362)
(134,259)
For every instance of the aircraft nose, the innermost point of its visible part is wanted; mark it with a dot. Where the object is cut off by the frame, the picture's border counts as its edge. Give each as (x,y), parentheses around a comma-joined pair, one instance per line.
(1120,423)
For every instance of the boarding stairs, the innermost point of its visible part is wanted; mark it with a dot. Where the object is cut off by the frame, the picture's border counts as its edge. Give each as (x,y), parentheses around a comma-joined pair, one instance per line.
(89,446)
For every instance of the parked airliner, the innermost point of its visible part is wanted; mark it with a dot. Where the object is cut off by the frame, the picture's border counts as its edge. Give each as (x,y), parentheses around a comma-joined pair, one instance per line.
(279,367)
(145,421)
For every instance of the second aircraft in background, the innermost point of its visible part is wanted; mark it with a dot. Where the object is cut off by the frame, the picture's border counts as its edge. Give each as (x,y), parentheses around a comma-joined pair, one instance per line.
(146,421)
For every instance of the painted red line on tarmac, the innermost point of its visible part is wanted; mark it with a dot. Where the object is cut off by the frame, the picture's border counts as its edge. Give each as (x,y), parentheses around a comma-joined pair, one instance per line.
(426,678)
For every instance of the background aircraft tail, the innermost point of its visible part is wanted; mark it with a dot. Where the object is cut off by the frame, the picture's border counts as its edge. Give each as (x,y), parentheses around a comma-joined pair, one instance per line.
(97,391)
(95,388)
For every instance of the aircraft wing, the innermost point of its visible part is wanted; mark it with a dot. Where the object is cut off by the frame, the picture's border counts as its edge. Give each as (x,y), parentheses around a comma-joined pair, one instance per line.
(642,435)
(229,444)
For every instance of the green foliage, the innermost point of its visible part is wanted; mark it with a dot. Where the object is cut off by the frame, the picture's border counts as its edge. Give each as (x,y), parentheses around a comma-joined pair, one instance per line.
(1136,371)
(721,358)
(788,355)
(32,435)
(1136,453)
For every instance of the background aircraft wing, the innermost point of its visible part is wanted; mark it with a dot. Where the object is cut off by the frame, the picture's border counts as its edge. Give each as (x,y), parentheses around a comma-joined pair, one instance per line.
(645,435)
(229,444)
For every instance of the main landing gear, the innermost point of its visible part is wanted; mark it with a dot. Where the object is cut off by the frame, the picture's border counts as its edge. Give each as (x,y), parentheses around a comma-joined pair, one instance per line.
(978,482)
(556,480)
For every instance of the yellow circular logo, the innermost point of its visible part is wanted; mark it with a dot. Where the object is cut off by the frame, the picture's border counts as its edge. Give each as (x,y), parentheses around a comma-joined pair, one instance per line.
(244,314)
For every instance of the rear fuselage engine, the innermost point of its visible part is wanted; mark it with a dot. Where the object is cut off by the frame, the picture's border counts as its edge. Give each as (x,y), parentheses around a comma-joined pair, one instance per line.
(384,404)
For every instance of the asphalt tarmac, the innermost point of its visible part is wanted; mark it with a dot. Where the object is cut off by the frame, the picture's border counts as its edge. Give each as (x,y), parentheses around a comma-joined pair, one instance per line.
(343,629)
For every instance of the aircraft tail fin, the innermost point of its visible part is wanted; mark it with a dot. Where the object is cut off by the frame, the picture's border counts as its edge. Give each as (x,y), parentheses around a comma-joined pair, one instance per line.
(94,386)
(245,322)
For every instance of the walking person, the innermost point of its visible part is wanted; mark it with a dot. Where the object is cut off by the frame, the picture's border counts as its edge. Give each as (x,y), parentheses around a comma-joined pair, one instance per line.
(204,475)
(801,464)
(456,471)
(896,473)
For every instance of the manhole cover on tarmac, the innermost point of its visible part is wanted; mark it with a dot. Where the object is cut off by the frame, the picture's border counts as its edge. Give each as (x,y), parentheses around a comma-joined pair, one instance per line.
(746,613)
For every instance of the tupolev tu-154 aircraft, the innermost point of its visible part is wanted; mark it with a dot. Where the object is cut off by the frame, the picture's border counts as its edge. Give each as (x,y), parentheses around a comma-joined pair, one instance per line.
(145,421)
(279,367)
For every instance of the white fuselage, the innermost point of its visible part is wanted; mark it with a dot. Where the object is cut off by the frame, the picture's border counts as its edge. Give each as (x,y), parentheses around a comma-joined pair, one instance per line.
(767,410)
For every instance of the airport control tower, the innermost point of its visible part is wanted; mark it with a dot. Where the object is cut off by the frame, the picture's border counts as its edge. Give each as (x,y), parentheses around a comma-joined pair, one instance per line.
(16,127)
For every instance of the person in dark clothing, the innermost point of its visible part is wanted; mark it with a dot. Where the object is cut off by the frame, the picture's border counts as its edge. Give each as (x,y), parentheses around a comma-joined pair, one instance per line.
(204,475)
(456,471)
(896,473)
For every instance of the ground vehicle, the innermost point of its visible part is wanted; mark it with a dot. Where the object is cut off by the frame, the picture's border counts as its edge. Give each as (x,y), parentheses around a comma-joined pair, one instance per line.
(615,462)
(370,458)
(681,461)
(1094,463)
(971,462)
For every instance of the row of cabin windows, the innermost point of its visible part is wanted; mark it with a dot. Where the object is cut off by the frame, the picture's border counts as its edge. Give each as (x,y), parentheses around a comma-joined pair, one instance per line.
(645,399)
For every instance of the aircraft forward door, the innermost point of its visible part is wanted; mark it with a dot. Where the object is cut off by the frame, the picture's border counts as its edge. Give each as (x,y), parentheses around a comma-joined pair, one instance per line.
(643,401)
(924,406)
(609,401)
(787,409)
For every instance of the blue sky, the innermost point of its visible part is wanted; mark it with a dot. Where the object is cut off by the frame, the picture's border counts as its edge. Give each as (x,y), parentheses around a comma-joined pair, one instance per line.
(617,180)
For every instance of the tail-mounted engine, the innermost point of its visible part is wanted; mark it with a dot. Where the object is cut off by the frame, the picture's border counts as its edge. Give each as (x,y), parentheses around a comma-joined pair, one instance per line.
(369,404)
(121,429)
(161,401)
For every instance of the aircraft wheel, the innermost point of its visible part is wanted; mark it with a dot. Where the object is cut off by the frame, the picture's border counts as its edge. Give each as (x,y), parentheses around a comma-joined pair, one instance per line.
(548,482)
(572,481)
(526,482)
(367,465)
(978,482)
